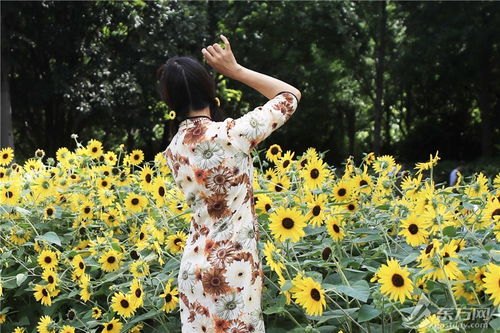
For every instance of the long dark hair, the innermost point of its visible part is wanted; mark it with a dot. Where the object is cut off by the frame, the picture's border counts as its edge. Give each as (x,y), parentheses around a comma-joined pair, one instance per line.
(186,85)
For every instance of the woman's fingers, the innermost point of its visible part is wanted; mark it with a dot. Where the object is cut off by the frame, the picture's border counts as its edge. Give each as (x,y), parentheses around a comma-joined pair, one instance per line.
(207,55)
(226,42)
(217,48)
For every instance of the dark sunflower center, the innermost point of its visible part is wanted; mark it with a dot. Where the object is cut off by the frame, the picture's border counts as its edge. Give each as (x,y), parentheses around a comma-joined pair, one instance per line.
(315,295)
(397,280)
(124,303)
(303,163)
(168,298)
(161,191)
(81,265)
(351,207)
(50,211)
(9,194)
(138,292)
(47,260)
(94,149)
(5,156)
(148,178)
(314,173)
(428,249)
(445,258)
(141,236)
(50,279)
(177,241)
(287,223)
(87,210)
(413,229)
(341,192)
(363,182)
(316,210)
(496,212)
(104,183)
(111,259)
(135,201)
(267,207)
(286,163)
(109,327)
(274,151)
(44,292)
(336,228)
(137,157)
(279,187)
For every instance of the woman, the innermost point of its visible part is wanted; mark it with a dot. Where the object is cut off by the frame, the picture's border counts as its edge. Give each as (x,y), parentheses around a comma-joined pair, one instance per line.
(220,277)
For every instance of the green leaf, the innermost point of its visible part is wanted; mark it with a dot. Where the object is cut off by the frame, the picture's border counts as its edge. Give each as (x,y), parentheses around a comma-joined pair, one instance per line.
(359,290)
(50,237)
(20,278)
(411,258)
(287,285)
(495,323)
(450,231)
(367,312)
(274,309)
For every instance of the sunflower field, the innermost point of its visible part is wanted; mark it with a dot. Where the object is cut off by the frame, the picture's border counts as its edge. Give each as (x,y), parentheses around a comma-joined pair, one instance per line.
(91,240)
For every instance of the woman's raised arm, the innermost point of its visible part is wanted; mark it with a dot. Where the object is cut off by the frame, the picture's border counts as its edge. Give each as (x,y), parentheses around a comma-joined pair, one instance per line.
(224,62)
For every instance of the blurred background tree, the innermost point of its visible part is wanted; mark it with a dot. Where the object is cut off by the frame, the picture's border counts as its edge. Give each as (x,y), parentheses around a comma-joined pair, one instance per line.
(399,78)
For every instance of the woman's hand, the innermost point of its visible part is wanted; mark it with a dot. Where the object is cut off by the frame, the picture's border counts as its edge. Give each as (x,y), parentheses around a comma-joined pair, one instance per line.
(222,59)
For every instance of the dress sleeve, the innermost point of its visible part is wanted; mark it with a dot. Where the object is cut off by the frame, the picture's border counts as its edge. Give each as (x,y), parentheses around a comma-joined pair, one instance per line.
(255,126)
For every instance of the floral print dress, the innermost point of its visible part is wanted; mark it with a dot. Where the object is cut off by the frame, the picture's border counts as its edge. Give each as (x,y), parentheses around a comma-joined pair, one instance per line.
(220,278)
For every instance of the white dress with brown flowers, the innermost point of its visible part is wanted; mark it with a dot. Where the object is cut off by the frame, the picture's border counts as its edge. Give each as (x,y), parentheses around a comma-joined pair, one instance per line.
(220,278)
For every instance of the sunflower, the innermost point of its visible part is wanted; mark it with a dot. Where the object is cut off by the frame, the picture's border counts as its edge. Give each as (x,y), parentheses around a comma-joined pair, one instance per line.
(137,293)
(421,166)
(430,324)
(384,164)
(19,330)
(67,329)
(477,277)
(113,326)
(414,229)
(85,291)
(139,268)
(113,217)
(78,264)
(273,153)
(362,183)
(6,156)
(335,228)
(135,203)
(478,188)
(492,283)
(33,164)
(46,325)
(287,223)
(394,281)
(315,173)
(43,294)
(19,236)
(310,154)
(176,242)
(490,214)
(123,304)
(464,290)
(316,205)
(159,190)
(52,279)
(49,212)
(264,203)
(86,210)
(96,312)
(274,258)
(342,190)
(110,158)
(135,157)
(311,296)
(3,318)
(285,162)
(146,177)
(169,297)
(110,261)
(10,195)
(48,259)
(279,183)
(94,148)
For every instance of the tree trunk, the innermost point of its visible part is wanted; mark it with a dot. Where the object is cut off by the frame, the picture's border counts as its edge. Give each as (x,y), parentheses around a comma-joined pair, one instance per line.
(6,134)
(379,77)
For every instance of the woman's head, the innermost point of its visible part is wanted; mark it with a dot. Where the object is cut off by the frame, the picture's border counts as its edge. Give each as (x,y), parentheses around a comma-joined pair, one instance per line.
(186,85)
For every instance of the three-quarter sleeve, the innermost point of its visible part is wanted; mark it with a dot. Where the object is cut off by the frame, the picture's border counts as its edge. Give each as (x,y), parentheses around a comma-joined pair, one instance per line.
(255,126)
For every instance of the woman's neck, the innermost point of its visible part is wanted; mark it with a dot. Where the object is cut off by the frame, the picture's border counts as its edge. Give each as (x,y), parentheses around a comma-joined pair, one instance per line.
(202,112)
